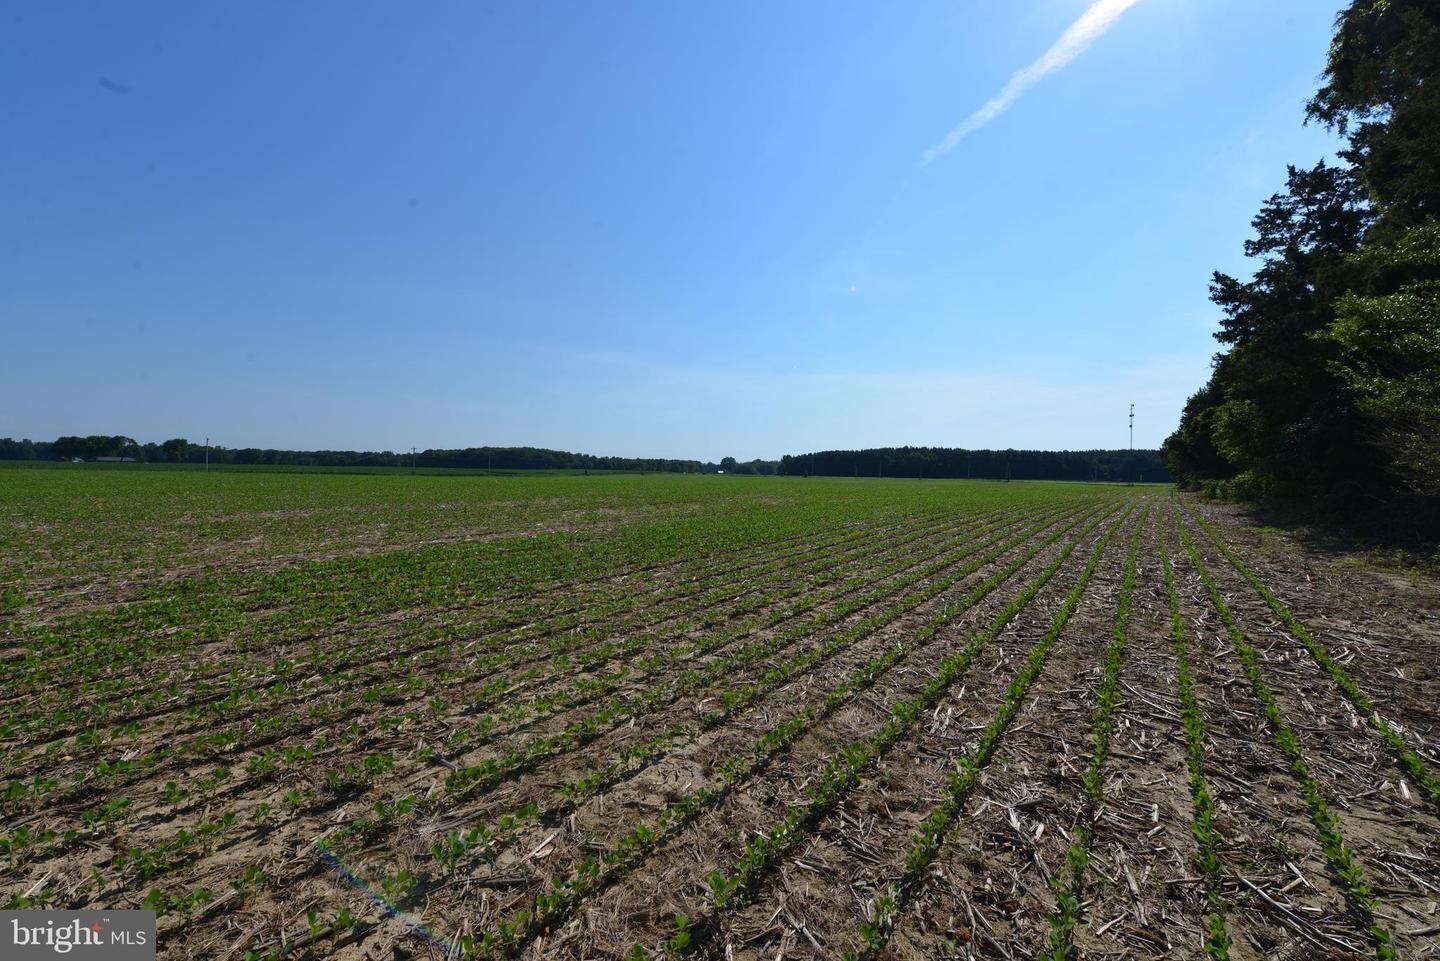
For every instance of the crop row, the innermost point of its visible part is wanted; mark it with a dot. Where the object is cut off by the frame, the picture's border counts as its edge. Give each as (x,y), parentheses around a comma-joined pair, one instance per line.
(1407,759)
(847,768)
(591,875)
(928,581)
(561,654)
(1338,853)
(401,805)
(1192,720)
(926,845)
(736,697)
(633,759)
(562,611)
(328,595)
(297,754)
(1069,890)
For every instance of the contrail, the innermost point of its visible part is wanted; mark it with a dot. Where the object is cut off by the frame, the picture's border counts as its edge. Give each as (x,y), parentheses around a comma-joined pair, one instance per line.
(1098,18)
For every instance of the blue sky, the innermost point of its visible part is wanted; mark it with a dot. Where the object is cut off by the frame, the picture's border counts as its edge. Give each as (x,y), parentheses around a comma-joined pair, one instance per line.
(670,229)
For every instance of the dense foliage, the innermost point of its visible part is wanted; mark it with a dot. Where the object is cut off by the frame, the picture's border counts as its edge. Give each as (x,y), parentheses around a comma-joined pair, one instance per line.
(1329,390)
(1127,466)
(536,458)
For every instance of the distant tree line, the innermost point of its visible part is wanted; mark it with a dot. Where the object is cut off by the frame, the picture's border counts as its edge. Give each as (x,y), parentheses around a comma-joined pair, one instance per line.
(179,450)
(1327,394)
(539,458)
(1095,465)
(729,465)
(1127,466)
(85,448)
(25,449)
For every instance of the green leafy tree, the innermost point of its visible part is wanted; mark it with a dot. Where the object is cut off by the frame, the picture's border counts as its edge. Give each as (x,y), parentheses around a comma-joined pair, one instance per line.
(1382,92)
(1329,386)
(1389,347)
(1274,411)
(1191,452)
(175,449)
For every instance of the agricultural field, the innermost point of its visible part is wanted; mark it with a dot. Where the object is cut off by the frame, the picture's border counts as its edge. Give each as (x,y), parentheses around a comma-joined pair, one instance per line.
(614,716)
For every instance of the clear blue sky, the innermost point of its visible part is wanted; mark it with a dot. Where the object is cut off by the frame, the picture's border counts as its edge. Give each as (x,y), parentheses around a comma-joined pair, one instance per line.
(671,229)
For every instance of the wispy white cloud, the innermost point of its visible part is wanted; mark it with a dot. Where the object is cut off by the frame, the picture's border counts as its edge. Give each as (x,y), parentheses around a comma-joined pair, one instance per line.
(1099,17)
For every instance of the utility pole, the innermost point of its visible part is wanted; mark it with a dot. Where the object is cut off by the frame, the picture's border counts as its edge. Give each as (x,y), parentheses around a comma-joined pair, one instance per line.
(207,455)
(1132,426)
(412,462)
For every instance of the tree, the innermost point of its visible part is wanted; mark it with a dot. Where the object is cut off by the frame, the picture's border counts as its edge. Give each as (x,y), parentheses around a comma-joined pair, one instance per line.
(1390,353)
(1190,452)
(1331,384)
(1382,92)
(11,449)
(175,449)
(1274,411)
(121,446)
